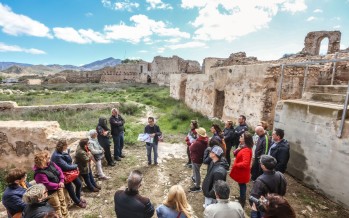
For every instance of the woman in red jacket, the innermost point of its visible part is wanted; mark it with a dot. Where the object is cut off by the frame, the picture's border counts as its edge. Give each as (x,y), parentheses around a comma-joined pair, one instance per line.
(240,171)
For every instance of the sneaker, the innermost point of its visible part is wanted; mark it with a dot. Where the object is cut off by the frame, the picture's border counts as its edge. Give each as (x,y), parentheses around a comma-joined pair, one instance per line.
(95,190)
(98,187)
(111,164)
(117,158)
(81,204)
(104,177)
(83,200)
(195,189)
(122,156)
(156,163)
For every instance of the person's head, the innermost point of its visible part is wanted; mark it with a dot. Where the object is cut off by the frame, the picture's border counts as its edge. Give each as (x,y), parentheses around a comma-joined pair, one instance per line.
(214,142)
(151,121)
(92,133)
(83,143)
(246,139)
(194,124)
(201,132)
(259,130)
(278,206)
(61,145)
(242,119)
(102,121)
(228,124)
(114,111)
(177,200)
(216,153)
(267,162)
(16,176)
(42,159)
(216,129)
(134,180)
(221,189)
(35,194)
(278,134)
(263,124)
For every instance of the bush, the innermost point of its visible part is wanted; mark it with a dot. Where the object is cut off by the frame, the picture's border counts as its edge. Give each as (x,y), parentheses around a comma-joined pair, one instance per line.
(130,108)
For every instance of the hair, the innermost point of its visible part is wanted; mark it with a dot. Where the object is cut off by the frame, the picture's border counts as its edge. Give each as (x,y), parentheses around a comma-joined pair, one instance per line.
(214,141)
(177,200)
(83,142)
(280,133)
(230,122)
(195,124)
(15,174)
(60,144)
(243,117)
(278,207)
(268,161)
(151,118)
(221,188)
(34,193)
(92,132)
(40,159)
(218,130)
(264,124)
(134,180)
(51,214)
(248,139)
(114,109)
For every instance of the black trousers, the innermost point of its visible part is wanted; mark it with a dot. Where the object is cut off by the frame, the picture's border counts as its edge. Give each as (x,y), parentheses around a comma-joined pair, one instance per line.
(105,143)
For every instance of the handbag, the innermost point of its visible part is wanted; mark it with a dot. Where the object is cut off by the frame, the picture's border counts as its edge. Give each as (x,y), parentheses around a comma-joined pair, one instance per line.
(70,176)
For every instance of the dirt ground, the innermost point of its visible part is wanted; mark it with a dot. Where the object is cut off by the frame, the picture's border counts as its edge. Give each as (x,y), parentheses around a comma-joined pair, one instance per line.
(171,170)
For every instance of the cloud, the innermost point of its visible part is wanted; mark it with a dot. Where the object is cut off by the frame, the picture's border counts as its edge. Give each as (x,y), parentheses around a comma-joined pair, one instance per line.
(158,4)
(187,45)
(337,27)
(143,28)
(89,14)
(15,48)
(81,36)
(243,16)
(336,18)
(120,5)
(311,18)
(173,40)
(143,51)
(17,24)
(318,11)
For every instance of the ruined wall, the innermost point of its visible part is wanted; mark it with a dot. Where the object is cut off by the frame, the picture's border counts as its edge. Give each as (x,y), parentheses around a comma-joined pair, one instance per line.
(317,157)
(72,76)
(210,62)
(130,72)
(312,42)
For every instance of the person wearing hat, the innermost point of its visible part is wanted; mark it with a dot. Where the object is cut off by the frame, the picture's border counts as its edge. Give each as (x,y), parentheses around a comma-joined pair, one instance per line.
(270,181)
(197,150)
(217,170)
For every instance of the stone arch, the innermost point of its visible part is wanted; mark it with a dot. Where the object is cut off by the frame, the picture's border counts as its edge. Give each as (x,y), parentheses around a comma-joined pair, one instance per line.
(313,41)
(218,105)
(182,89)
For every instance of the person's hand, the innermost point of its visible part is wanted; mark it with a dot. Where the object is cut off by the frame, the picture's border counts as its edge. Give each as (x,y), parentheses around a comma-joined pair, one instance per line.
(61,185)
(105,133)
(153,135)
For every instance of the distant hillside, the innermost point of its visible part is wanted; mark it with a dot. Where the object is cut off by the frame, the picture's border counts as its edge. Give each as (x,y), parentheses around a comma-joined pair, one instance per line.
(15,70)
(6,65)
(108,62)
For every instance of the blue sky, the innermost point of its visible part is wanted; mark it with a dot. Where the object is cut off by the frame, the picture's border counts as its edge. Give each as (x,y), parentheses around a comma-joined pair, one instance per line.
(81,31)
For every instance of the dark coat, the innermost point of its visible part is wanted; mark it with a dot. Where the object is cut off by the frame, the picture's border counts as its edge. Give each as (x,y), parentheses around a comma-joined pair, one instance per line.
(12,198)
(117,124)
(239,130)
(37,210)
(215,171)
(63,160)
(228,134)
(261,146)
(155,129)
(197,150)
(281,152)
(82,159)
(129,204)
(269,182)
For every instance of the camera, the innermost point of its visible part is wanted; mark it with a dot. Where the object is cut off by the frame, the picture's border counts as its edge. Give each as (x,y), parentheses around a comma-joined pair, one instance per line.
(259,203)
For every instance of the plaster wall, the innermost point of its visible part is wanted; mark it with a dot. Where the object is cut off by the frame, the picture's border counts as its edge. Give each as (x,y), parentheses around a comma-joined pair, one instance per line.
(317,157)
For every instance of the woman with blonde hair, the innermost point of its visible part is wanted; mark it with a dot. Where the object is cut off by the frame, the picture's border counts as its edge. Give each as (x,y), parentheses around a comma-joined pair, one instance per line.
(176,204)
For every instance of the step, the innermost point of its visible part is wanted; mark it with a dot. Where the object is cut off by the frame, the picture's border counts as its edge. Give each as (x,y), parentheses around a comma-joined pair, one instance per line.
(324,97)
(331,89)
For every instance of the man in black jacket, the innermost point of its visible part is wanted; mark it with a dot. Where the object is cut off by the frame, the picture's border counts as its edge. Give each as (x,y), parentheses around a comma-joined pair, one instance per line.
(262,147)
(130,203)
(228,134)
(217,170)
(239,130)
(270,181)
(280,150)
(117,131)
(154,131)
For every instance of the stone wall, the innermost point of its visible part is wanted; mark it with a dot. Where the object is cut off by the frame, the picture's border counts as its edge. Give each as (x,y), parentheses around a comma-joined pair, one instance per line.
(317,157)
(72,76)
(130,72)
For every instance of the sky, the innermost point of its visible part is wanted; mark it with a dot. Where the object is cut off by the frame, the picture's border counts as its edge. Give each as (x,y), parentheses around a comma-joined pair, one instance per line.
(82,31)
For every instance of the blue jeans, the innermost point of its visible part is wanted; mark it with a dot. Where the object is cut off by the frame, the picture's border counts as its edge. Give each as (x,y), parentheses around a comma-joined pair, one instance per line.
(74,194)
(256,214)
(242,191)
(89,180)
(118,144)
(149,147)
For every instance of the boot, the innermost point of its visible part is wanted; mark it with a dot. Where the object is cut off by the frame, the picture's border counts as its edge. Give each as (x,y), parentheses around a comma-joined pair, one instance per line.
(242,201)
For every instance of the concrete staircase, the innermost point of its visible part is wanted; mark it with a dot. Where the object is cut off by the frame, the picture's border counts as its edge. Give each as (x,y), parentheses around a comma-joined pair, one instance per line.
(334,94)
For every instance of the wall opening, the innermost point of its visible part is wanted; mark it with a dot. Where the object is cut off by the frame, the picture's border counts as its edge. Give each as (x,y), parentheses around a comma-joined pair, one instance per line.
(141,69)
(148,79)
(182,89)
(323,46)
(219,104)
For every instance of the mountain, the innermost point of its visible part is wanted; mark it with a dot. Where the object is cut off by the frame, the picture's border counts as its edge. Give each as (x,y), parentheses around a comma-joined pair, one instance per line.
(5,65)
(15,70)
(108,62)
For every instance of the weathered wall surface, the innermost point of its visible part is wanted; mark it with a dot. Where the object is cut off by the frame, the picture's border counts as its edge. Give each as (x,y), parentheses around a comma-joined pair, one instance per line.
(20,140)
(13,107)
(72,76)
(318,157)
(130,72)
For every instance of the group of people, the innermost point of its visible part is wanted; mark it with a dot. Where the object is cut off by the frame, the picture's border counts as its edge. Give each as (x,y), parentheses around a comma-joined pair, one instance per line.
(261,159)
